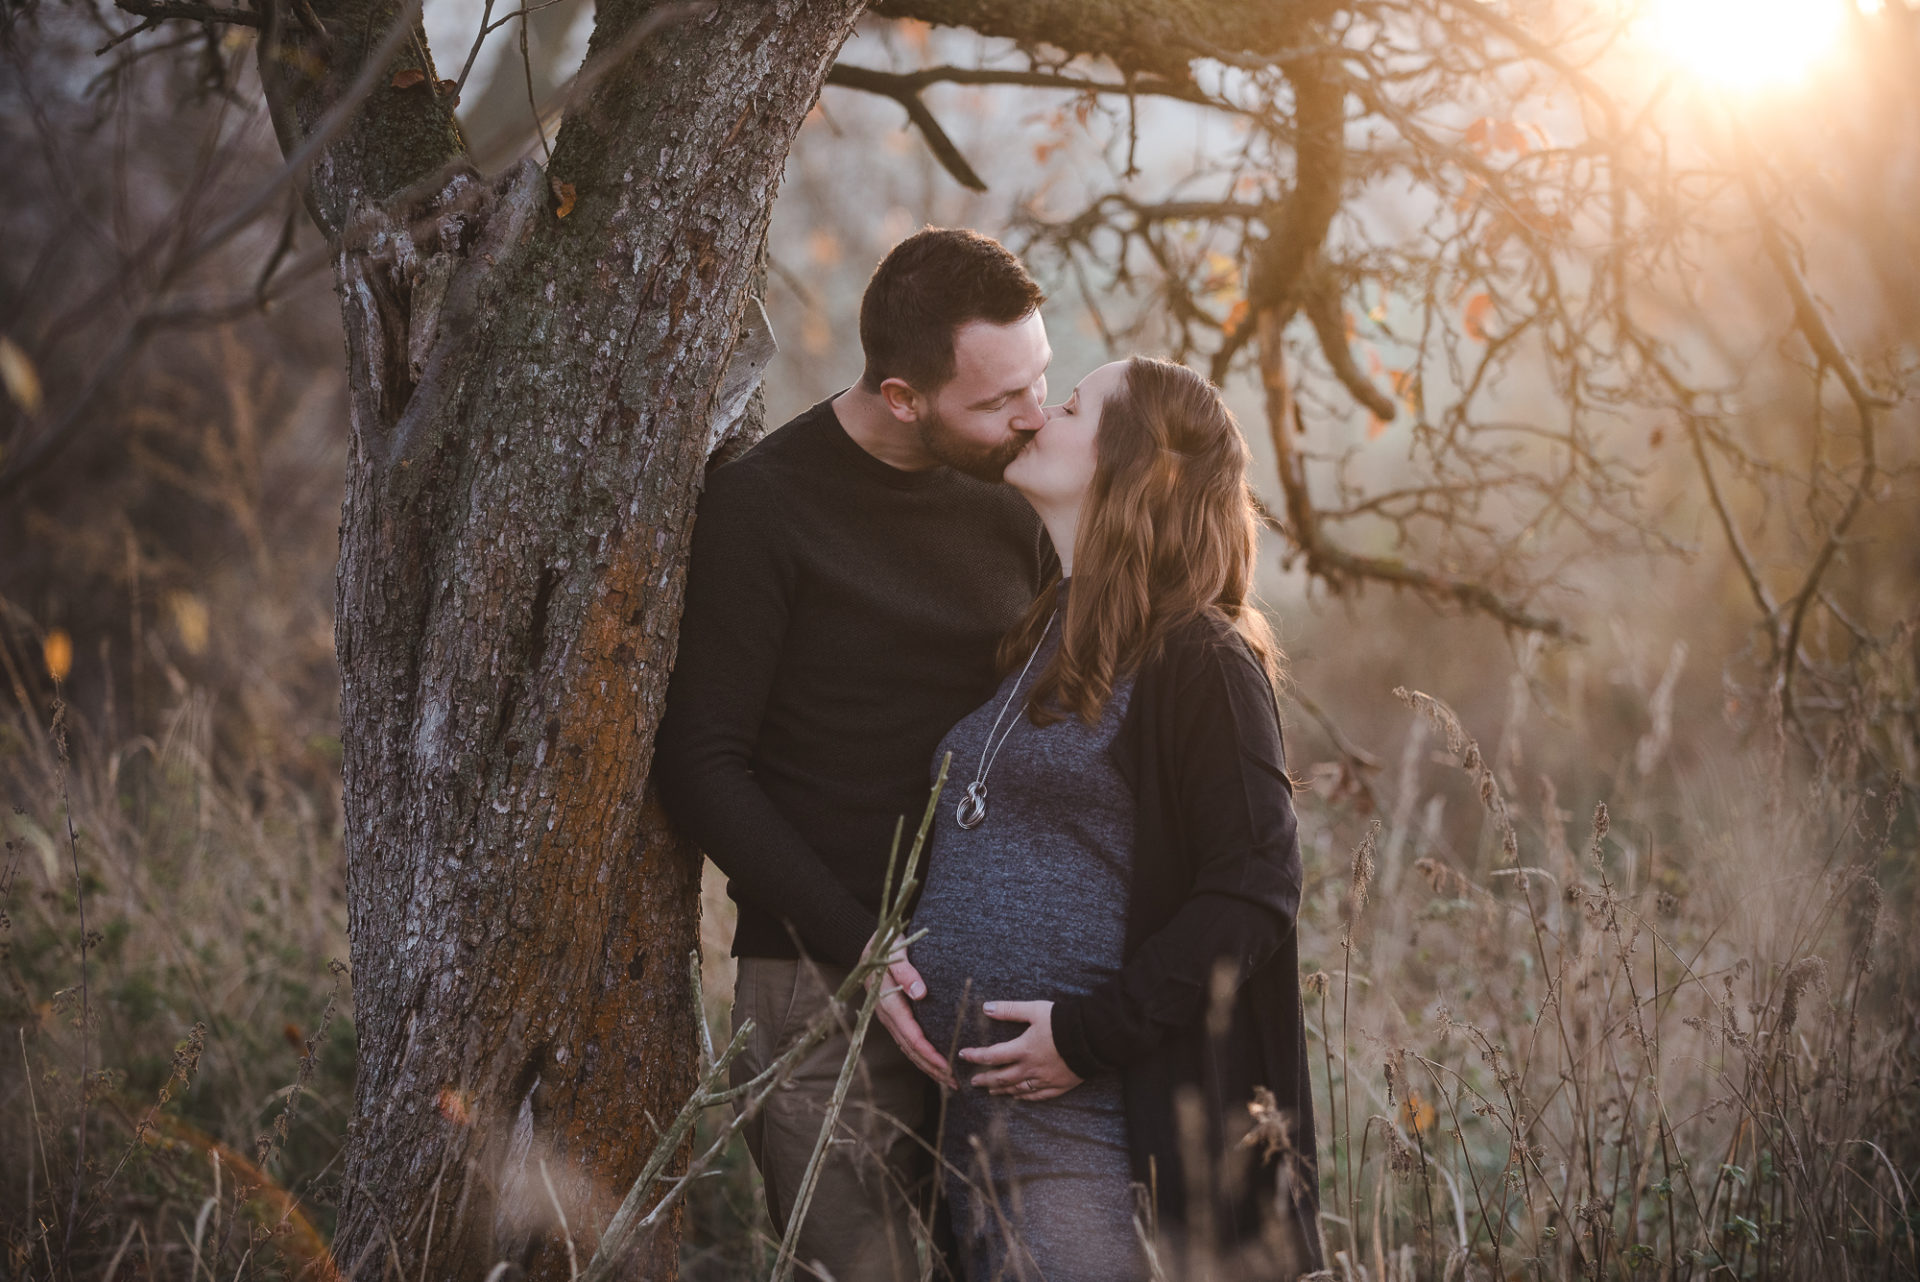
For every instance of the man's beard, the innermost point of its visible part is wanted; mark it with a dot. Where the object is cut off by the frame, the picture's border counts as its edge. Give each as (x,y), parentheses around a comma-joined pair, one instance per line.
(982,462)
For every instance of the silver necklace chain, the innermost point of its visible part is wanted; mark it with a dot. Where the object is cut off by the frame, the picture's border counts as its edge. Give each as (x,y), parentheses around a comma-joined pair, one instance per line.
(972,810)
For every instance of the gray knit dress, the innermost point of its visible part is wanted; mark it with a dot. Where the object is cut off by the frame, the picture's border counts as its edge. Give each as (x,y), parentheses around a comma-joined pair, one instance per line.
(1030,905)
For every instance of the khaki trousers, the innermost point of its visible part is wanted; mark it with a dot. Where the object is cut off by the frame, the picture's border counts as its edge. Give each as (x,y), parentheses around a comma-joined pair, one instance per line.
(859,1226)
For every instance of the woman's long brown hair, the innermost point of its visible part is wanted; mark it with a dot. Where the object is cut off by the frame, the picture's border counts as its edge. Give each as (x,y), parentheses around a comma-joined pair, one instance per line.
(1169,529)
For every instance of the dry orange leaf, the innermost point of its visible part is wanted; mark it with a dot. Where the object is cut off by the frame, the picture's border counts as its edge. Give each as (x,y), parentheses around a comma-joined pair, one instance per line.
(1406,389)
(1236,317)
(563,192)
(23,384)
(191,620)
(408,78)
(57,650)
(1474,320)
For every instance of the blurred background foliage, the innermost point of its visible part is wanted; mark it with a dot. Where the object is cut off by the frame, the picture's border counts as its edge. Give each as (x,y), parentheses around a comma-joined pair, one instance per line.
(170,736)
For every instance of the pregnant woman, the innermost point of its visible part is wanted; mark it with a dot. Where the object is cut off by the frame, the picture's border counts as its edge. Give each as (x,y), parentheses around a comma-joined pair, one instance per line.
(1114,877)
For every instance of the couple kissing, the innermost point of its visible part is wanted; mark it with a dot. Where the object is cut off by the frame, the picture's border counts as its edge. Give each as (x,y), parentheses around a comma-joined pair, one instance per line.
(936,561)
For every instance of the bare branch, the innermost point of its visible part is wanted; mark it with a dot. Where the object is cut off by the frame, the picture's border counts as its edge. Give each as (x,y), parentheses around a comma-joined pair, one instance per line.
(1321,299)
(1335,565)
(158,11)
(1145,35)
(888,85)
(1138,85)
(1328,561)
(1826,345)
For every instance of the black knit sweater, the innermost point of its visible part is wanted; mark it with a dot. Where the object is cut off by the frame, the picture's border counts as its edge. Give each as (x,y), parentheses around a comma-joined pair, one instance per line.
(841,616)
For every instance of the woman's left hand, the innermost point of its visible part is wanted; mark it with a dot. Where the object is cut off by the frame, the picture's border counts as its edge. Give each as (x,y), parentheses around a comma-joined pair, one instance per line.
(1028,1067)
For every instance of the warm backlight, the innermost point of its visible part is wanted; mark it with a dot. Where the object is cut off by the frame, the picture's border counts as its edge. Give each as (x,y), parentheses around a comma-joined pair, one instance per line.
(1748,44)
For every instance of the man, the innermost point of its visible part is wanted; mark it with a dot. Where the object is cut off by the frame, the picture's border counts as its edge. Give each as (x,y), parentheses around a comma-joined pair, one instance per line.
(849,581)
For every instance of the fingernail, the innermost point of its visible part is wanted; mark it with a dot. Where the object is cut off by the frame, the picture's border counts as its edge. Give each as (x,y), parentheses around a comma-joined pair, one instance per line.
(991,1008)
(919,991)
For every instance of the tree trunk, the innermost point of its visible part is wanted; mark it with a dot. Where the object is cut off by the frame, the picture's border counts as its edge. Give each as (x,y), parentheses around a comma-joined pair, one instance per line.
(531,403)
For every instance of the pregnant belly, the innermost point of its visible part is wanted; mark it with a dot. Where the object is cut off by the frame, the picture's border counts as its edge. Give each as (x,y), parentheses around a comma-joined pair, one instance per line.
(969,957)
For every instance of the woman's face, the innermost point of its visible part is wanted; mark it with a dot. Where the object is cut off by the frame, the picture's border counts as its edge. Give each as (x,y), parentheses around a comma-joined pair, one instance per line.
(1056,467)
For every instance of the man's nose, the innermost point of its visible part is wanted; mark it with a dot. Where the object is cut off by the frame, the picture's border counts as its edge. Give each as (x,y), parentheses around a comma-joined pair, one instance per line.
(1031,416)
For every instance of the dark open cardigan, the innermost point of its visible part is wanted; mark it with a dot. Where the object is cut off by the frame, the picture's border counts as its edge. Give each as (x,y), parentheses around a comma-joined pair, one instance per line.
(1216,883)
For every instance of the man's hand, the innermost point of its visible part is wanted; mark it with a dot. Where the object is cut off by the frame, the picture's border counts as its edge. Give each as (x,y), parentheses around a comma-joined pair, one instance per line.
(898,982)
(1028,1067)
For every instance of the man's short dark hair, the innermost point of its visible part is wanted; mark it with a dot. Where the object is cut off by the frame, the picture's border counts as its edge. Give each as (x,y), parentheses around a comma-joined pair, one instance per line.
(927,287)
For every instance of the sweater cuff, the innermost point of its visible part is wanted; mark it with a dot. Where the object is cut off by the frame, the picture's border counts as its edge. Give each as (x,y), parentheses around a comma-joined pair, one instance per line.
(1070,1038)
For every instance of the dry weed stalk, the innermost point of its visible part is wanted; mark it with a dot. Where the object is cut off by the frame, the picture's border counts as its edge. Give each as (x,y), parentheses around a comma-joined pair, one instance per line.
(642,1209)
(1634,1071)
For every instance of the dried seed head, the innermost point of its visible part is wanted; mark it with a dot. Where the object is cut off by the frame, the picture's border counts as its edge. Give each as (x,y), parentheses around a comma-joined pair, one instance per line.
(1462,744)
(1401,1159)
(1866,916)
(1363,870)
(1600,825)
(1445,881)
(1806,971)
(1272,1126)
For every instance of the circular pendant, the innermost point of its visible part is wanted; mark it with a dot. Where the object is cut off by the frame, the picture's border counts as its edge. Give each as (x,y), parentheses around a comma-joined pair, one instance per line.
(973,807)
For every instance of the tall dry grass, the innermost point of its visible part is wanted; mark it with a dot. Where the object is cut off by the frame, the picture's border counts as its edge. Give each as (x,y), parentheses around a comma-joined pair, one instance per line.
(1673,1036)
(178,1065)
(1647,1023)
(1606,1018)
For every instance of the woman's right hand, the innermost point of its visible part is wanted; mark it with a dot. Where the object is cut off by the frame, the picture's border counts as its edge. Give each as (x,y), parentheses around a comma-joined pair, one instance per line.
(898,982)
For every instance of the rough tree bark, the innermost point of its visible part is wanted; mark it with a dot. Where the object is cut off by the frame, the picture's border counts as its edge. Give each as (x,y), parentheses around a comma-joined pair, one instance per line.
(531,401)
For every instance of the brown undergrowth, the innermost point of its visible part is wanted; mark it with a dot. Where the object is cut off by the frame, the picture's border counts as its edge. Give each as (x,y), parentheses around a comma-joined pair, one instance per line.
(178,1055)
(1672,1040)
(1678,1044)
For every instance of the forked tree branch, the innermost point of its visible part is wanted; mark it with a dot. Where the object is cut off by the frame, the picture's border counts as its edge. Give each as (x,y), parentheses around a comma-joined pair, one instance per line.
(1831,354)
(1320,300)
(903,91)
(1327,560)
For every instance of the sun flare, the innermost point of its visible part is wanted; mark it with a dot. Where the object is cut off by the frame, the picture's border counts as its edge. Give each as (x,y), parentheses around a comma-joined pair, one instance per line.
(1748,44)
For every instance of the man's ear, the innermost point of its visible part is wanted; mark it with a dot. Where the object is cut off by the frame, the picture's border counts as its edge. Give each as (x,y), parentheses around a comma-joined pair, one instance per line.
(902,400)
